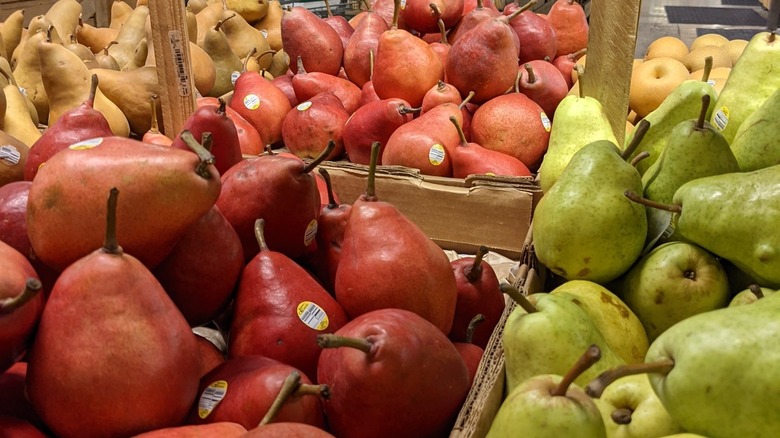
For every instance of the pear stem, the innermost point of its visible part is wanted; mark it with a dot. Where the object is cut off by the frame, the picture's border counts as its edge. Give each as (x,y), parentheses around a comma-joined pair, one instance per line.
(403,109)
(518,76)
(320,158)
(93,85)
(576,55)
(299,63)
(474,271)
(327,8)
(771,37)
(222,106)
(219,24)
(674,208)
(260,234)
(588,358)
(580,72)
(597,386)
(267,52)
(396,12)
(473,324)
(370,194)
(330,340)
(621,416)
(518,298)
(206,157)
(155,129)
(461,134)
(329,189)
(435,9)
(639,157)
(705,75)
(105,49)
(309,389)
(110,244)
(205,140)
(639,134)
(530,71)
(289,386)
(371,65)
(246,60)
(705,105)
(441,85)
(367,5)
(31,288)
(467,99)
(756,290)
(443,31)
(480,4)
(520,10)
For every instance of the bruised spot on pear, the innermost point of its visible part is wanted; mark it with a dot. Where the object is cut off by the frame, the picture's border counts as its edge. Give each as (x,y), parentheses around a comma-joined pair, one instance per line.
(608,299)
(659,297)
(53,196)
(765,253)
(583,273)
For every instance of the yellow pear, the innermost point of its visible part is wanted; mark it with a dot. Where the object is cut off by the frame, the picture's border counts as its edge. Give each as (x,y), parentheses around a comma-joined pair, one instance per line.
(28,75)
(733,47)
(271,25)
(67,81)
(192,25)
(139,56)
(3,53)
(120,12)
(280,63)
(11,30)
(667,47)
(715,73)
(105,60)
(5,72)
(131,33)
(695,59)
(197,5)
(708,39)
(652,81)
(243,38)
(39,23)
(13,156)
(131,91)
(17,121)
(251,10)
(65,16)
(206,19)
(96,38)
(226,62)
(83,52)
(203,70)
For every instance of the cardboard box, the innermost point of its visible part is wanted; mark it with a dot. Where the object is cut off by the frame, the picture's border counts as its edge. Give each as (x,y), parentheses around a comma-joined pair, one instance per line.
(457,214)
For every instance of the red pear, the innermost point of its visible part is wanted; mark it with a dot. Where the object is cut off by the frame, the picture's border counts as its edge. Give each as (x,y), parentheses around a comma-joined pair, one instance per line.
(565,64)
(248,138)
(472,17)
(13,400)
(287,430)
(279,311)
(80,123)
(18,428)
(386,9)
(374,121)
(312,125)
(439,94)
(473,159)
(442,46)
(544,84)
(307,85)
(356,54)
(262,104)
(537,35)
(224,429)
(568,19)
(391,354)
(422,15)
(378,238)
(162,198)
(406,66)
(101,298)
(470,352)
(225,145)
(368,94)
(339,24)
(306,35)
(330,234)
(211,356)
(153,135)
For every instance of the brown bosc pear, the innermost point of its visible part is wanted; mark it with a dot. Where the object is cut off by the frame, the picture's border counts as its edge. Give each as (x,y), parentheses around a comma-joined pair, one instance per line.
(271,25)
(104,60)
(64,15)
(165,196)
(205,19)
(39,23)
(17,120)
(304,34)
(131,91)
(379,238)
(365,38)
(485,59)
(28,75)
(243,38)
(83,52)
(140,54)
(120,12)
(280,64)
(159,350)
(192,24)
(131,33)
(96,38)
(14,157)
(405,66)
(67,82)
(11,31)
(226,62)
(197,5)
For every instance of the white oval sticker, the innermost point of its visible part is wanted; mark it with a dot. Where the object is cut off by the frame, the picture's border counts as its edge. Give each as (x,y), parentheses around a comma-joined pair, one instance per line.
(436,154)
(303,106)
(86,144)
(210,398)
(312,315)
(251,101)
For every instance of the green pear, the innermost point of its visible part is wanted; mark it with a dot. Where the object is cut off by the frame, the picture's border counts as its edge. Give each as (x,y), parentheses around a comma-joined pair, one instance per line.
(757,142)
(584,228)
(620,326)
(750,295)
(672,282)
(694,150)
(753,78)
(631,409)
(684,435)
(579,121)
(549,339)
(683,103)
(716,373)
(550,406)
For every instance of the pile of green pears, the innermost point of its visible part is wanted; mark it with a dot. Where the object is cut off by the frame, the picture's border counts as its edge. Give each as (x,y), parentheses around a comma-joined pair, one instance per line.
(664,259)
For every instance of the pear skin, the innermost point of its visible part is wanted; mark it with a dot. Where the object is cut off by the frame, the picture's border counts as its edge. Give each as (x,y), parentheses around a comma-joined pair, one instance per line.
(271,25)
(131,92)
(28,75)
(120,12)
(226,62)
(11,31)
(131,33)
(756,144)
(65,16)
(243,38)
(17,121)
(96,38)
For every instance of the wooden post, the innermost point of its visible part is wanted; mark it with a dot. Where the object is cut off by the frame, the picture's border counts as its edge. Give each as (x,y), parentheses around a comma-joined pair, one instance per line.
(172,57)
(611,46)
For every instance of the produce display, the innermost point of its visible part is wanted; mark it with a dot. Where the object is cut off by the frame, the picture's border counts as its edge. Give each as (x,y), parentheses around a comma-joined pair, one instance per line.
(209,282)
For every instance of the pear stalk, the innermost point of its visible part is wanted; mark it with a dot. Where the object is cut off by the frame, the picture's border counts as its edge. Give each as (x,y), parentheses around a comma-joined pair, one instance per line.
(639,134)
(371,64)
(467,99)
(246,60)
(396,12)
(443,31)
(652,204)
(461,134)
(591,356)
(473,324)
(370,194)
(406,110)
(756,290)
(205,140)
(518,298)
(218,26)
(520,10)
(597,386)
(435,9)
(640,156)
(327,9)
(155,129)
(260,234)
(110,244)
(206,157)
(530,71)
(320,158)
(289,386)
(705,105)
(329,188)
(335,341)
(108,46)
(705,76)
(31,288)
(299,63)
(474,271)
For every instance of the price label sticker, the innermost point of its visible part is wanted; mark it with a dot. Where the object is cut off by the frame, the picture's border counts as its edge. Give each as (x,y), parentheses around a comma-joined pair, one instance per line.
(264,32)
(546,122)
(251,102)
(210,398)
(311,233)
(86,144)
(436,154)
(312,315)
(9,155)
(303,106)
(721,118)
(234,77)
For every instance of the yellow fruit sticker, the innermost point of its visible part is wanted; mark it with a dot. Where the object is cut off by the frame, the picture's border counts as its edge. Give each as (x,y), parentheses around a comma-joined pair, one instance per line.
(436,154)
(311,233)
(86,144)
(251,102)
(210,398)
(9,155)
(312,315)
(546,122)
(303,106)
(721,118)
